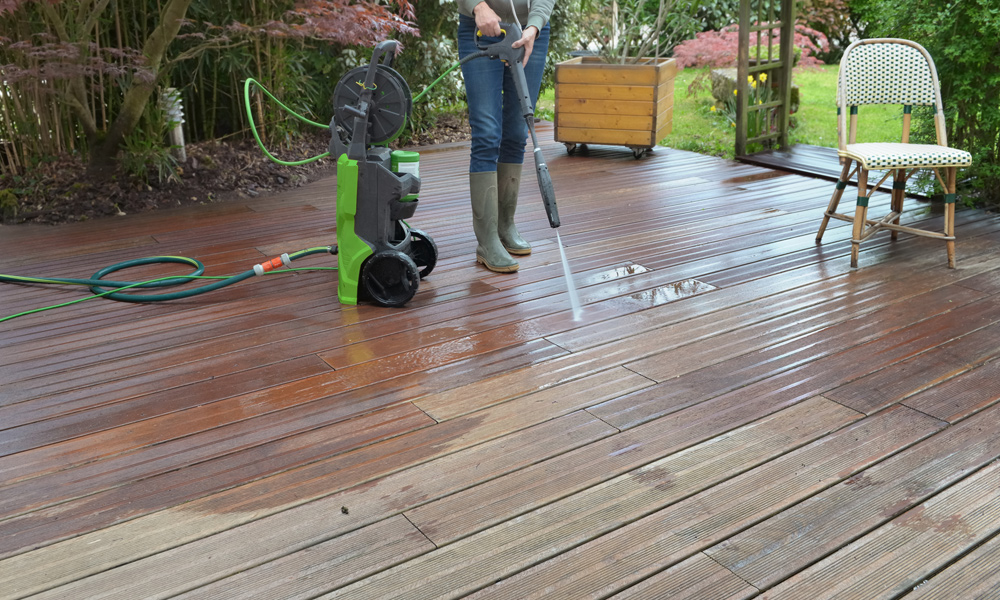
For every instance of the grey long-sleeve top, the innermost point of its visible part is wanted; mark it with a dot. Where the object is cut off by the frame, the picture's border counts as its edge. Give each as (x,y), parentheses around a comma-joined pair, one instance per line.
(529,12)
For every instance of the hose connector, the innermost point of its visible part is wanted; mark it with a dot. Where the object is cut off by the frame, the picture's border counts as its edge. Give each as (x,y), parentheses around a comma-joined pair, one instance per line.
(274,263)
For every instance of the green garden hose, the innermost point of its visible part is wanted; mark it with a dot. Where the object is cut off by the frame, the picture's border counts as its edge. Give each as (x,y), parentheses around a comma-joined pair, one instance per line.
(114,290)
(253,126)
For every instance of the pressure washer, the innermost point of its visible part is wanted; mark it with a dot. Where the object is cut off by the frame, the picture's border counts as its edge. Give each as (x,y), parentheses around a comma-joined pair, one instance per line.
(380,256)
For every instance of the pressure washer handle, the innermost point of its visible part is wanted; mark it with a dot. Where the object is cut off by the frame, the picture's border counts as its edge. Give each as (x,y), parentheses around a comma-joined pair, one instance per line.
(504,50)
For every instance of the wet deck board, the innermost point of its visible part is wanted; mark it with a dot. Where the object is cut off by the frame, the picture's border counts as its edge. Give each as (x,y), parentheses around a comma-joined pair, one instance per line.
(729,380)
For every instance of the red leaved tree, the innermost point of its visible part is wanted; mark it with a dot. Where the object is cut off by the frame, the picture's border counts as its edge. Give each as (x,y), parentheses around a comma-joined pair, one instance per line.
(720,48)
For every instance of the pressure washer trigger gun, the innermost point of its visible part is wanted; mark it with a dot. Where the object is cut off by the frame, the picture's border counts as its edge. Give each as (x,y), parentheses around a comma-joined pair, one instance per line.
(514,57)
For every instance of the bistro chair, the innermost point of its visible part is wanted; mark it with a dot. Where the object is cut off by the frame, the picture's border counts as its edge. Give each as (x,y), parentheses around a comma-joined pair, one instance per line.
(891,71)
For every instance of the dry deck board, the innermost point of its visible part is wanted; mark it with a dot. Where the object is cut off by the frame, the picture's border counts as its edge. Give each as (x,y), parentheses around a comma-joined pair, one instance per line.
(476,561)
(976,575)
(743,229)
(790,541)
(640,548)
(901,554)
(700,578)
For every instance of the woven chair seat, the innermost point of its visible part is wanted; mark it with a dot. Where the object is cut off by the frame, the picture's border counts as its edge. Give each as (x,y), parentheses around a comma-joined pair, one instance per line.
(878,156)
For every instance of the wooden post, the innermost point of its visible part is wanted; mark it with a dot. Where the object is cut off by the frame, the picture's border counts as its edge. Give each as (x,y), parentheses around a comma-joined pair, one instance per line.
(742,72)
(787,60)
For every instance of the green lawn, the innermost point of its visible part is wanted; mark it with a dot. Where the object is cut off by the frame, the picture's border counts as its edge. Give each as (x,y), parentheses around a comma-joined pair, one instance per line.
(698,129)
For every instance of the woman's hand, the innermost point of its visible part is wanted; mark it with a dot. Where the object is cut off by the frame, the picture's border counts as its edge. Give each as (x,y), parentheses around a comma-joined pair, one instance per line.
(487,20)
(527,40)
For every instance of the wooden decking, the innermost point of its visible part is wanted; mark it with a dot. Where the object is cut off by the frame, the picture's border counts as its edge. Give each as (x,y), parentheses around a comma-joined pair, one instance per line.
(736,414)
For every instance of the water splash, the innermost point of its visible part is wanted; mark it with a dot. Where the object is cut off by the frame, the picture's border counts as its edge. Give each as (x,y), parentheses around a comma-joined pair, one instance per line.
(574,298)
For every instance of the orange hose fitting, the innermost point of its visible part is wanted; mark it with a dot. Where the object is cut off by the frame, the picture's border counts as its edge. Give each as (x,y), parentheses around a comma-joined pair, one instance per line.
(270,265)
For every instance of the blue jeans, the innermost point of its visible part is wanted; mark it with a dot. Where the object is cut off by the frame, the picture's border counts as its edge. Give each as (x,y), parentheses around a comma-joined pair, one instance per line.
(499,132)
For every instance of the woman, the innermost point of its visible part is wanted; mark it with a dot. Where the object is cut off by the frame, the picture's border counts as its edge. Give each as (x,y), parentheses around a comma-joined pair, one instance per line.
(499,132)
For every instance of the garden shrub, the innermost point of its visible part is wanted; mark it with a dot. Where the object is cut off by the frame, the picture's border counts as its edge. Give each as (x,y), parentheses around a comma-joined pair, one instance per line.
(720,48)
(832,18)
(963,38)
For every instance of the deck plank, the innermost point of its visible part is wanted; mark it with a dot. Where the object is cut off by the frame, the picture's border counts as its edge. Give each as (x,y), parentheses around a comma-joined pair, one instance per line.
(976,575)
(640,548)
(901,554)
(479,560)
(787,543)
(699,578)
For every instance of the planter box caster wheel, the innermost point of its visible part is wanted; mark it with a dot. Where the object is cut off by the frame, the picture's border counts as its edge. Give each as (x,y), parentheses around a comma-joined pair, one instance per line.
(639,152)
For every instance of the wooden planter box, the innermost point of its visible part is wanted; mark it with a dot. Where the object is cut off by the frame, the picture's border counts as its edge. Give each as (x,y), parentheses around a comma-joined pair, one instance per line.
(600,103)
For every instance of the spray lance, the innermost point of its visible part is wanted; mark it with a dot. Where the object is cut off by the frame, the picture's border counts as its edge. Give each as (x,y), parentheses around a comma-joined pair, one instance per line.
(514,57)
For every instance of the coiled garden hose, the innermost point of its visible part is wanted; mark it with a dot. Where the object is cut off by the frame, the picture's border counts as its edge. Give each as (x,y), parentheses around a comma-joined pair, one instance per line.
(115,290)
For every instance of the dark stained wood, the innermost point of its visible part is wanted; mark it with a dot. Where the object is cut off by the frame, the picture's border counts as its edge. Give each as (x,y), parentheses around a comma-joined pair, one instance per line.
(735,413)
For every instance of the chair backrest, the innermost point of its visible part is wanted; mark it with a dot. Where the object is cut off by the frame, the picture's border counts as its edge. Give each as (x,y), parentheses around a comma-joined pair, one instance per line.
(887,71)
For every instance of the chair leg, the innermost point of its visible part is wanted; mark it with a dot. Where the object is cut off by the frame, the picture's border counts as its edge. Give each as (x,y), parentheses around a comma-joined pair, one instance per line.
(898,192)
(834,200)
(949,213)
(860,215)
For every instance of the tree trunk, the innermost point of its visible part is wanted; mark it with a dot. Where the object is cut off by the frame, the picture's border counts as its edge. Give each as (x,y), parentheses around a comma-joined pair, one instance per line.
(103,154)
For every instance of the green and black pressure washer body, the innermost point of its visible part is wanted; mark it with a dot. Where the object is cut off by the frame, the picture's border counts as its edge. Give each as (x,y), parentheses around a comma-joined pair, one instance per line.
(380,257)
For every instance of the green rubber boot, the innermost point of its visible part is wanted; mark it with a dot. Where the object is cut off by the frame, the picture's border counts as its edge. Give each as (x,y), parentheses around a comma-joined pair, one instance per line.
(490,251)
(508,185)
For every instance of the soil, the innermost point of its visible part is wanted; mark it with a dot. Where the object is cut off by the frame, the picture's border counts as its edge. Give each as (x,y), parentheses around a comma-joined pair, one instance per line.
(58,190)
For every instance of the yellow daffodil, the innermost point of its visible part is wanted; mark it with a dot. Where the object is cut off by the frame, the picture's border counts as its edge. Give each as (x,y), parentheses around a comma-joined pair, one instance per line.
(763,76)
(733,124)
(749,78)
(713,108)
(736,92)
(753,84)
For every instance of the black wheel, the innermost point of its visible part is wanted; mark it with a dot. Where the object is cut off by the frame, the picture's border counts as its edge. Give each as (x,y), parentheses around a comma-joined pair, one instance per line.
(638,152)
(424,251)
(390,277)
(570,149)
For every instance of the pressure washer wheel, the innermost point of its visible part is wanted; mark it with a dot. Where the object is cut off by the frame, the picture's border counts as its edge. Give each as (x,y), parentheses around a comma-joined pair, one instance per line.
(424,251)
(390,277)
